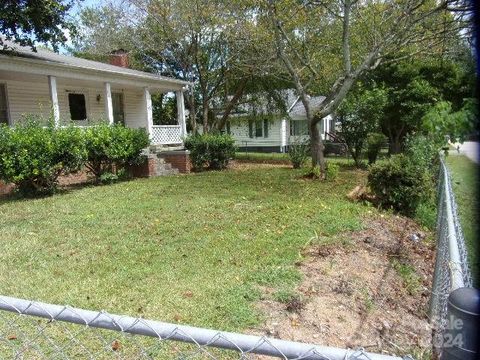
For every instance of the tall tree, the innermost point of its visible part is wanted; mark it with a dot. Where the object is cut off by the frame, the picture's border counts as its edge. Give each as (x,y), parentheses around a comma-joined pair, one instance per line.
(27,22)
(214,44)
(413,87)
(327,44)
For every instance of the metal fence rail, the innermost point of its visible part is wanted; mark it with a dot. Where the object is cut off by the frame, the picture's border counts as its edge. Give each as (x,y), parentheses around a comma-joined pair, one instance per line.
(451,265)
(22,344)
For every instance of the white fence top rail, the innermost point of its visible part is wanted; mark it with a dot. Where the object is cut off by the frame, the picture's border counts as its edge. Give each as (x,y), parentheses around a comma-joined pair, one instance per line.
(246,344)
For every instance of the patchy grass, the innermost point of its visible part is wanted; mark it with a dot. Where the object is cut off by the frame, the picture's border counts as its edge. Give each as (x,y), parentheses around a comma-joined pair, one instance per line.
(465,184)
(192,249)
(284,296)
(411,280)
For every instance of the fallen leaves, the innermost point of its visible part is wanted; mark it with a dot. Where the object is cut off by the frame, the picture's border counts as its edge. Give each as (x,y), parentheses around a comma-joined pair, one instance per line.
(115,345)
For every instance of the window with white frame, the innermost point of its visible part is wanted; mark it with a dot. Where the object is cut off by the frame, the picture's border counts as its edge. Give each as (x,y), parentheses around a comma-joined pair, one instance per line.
(258,128)
(77,105)
(3,104)
(298,127)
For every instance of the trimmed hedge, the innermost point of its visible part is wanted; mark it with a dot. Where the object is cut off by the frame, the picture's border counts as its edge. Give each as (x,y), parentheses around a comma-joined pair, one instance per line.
(210,150)
(33,156)
(111,148)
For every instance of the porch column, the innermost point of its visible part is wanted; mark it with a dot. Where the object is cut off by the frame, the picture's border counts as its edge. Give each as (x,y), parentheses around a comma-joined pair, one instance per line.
(52,85)
(181,113)
(108,103)
(283,135)
(149,112)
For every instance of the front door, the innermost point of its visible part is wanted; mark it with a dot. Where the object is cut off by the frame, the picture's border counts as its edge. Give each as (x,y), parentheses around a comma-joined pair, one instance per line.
(117,105)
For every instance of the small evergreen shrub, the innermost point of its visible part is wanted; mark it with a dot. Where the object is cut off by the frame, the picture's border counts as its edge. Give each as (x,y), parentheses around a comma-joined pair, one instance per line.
(33,156)
(332,170)
(375,141)
(111,148)
(210,150)
(400,184)
(298,153)
(313,172)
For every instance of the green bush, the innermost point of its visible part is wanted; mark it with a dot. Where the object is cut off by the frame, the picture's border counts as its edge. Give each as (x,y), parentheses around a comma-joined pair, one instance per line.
(212,150)
(332,170)
(33,156)
(111,148)
(375,141)
(400,184)
(423,152)
(406,182)
(298,153)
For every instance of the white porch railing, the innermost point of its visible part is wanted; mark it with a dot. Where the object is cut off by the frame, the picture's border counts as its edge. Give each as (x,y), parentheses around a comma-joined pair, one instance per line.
(166,134)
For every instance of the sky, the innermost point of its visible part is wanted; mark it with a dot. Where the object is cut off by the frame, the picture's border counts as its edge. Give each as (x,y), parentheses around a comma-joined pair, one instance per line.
(77,7)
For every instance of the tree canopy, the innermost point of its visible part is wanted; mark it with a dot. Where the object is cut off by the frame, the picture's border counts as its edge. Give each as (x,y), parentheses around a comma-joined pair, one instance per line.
(27,22)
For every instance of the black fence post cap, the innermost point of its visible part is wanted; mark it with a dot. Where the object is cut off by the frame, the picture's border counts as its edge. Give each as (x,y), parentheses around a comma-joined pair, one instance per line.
(466,299)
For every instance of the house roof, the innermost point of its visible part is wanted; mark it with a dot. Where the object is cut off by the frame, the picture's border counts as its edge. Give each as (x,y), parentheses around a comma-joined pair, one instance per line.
(297,111)
(45,56)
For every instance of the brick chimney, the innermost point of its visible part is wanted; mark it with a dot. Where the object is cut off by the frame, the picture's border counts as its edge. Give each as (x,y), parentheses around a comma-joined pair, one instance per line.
(119,58)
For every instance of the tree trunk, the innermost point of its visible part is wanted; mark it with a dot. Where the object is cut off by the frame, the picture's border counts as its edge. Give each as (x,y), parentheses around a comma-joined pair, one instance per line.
(192,110)
(205,116)
(395,145)
(232,103)
(317,148)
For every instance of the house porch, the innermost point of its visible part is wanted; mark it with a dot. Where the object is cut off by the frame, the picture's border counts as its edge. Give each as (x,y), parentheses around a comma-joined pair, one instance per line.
(85,99)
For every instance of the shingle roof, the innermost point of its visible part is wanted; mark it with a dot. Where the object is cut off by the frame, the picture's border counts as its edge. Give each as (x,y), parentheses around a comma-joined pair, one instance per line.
(298,110)
(79,63)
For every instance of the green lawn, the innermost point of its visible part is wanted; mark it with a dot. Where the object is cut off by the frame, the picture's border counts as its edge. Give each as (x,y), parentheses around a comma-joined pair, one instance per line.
(466,183)
(195,249)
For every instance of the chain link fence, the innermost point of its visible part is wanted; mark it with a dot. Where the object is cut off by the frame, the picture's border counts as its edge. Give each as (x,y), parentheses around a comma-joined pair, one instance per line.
(451,264)
(35,330)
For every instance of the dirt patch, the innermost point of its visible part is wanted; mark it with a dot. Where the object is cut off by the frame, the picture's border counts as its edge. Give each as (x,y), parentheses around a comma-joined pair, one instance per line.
(371,293)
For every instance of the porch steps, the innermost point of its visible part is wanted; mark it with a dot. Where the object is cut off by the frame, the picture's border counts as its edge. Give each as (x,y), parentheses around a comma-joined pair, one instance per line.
(155,149)
(162,168)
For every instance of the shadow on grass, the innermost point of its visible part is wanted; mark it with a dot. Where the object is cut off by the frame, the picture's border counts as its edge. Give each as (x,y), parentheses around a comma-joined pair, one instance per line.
(16,196)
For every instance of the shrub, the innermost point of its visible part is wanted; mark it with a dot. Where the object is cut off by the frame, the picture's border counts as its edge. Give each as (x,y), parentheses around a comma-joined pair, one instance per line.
(212,150)
(332,170)
(400,184)
(33,156)
(313,172)
(298,153)
(110,148)
(423,152)
(375,141)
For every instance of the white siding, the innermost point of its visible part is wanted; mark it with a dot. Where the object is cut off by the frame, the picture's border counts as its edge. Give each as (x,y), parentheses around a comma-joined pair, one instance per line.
(27,98)
(240,133)
(95,109)
(34,98)
(135,109)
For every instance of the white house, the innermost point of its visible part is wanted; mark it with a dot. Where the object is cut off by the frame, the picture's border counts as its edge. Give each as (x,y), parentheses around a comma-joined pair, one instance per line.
(276,133)
(82,91)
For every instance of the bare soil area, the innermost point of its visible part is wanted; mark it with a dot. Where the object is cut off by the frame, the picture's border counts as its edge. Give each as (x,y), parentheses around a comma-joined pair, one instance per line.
(369,289)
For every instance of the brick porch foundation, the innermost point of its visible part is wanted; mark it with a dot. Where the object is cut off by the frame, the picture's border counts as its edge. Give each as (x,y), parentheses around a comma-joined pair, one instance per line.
(179,159)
